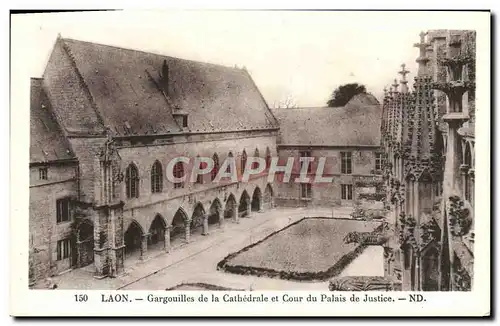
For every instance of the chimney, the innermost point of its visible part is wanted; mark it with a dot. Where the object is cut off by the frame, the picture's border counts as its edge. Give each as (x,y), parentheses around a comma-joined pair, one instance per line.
(164,76)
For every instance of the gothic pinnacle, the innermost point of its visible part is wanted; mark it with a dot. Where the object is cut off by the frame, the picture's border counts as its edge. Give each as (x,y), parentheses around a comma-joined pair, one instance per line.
(404,82)
(395,85)
(422,58)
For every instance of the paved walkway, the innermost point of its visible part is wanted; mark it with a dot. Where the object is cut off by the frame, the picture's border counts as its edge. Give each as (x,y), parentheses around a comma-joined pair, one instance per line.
(196,262)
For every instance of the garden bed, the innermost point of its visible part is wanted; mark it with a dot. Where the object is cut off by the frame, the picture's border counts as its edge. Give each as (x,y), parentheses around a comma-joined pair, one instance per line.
(311,249)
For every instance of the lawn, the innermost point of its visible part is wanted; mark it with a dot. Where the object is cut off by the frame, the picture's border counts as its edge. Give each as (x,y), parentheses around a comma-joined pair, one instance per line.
(312,248)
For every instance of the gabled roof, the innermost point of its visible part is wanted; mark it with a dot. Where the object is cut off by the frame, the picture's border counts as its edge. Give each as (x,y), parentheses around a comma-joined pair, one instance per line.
(47,143)
(355,124)
(125,90)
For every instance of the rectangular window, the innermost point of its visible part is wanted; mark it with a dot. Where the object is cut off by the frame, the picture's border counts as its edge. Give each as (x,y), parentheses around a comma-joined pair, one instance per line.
(43,173)
(305,190)
(379,161)
(346,162)
(346,192)
(63,210)
(63,249)
(306,154)
(185,121)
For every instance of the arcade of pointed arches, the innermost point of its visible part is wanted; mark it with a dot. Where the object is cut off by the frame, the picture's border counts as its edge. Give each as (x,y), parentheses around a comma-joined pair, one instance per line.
(164,235)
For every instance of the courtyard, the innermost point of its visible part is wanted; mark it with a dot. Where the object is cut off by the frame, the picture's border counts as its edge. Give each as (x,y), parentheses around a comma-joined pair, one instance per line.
(194,265)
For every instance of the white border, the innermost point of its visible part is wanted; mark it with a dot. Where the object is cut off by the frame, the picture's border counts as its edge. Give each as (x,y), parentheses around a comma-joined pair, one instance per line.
(25,302)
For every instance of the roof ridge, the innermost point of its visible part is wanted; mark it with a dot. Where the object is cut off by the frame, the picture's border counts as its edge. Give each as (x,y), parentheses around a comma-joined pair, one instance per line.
(153,53)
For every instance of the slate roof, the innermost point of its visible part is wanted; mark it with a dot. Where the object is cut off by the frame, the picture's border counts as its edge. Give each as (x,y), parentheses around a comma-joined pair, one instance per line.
(125,88)
(355,124)
(47,142)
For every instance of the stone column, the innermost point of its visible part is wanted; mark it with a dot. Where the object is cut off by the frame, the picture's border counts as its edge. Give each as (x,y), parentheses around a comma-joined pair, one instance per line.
(144,246)
(188,231)
(236,217)
(99,262)
(166,243)
(221,218)
(78,254)
(464,169)
(249,209)
(205,224)
(471,186)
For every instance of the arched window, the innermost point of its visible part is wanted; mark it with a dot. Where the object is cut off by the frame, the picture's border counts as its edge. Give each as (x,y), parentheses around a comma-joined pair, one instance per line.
(215,169)
(156,177)
(199,177)
(178,173)
(255,164)
(228,169)
(243,161)
(132,181)
(268,158)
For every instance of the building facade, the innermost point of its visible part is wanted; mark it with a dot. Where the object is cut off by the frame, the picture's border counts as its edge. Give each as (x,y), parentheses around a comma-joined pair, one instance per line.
(428,139)
(341,143)
(105,125)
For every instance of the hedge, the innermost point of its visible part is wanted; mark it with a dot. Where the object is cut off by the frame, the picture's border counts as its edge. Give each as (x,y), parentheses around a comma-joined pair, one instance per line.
(336,269)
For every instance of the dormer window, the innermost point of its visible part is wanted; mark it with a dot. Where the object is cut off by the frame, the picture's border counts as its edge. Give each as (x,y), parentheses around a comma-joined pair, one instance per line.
(181,119)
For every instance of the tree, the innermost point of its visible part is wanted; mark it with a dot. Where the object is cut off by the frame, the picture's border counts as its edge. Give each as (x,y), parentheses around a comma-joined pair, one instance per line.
(344,93)
(287,103)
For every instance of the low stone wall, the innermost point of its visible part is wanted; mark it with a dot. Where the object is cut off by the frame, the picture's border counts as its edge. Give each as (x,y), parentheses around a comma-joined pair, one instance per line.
(364,283)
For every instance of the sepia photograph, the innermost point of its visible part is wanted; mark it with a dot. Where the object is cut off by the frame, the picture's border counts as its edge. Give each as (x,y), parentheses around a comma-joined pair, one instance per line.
(173,152)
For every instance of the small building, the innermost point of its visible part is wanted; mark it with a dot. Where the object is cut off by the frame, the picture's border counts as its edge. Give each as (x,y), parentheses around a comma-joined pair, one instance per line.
(53,188)
(346,138)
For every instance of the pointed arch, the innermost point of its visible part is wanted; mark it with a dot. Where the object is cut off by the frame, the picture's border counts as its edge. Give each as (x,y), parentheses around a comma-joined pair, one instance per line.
(215,169)
(228,169)
(84,243)
(430,269)
(230,210)
(133,237)
(468,155)
(256,200)
(156,177)
(215,211)
(132,181)
(178,172)
(157,231)
(197,218)
(244,204)
(199,177)
(178,226)
(268,196)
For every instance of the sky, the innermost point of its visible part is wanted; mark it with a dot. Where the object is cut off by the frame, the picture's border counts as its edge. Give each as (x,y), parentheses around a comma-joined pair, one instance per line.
(298,55)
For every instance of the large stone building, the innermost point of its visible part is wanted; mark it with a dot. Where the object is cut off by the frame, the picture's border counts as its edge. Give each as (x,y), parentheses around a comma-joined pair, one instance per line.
(106,123)
(347,139)
(428,136)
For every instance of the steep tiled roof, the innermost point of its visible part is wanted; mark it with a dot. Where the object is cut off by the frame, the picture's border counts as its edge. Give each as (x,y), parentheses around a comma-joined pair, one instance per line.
(355,124)
(126,89)
(47,143)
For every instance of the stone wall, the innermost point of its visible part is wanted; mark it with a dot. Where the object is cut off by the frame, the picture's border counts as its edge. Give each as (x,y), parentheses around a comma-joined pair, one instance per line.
(43,227)
(327,194)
